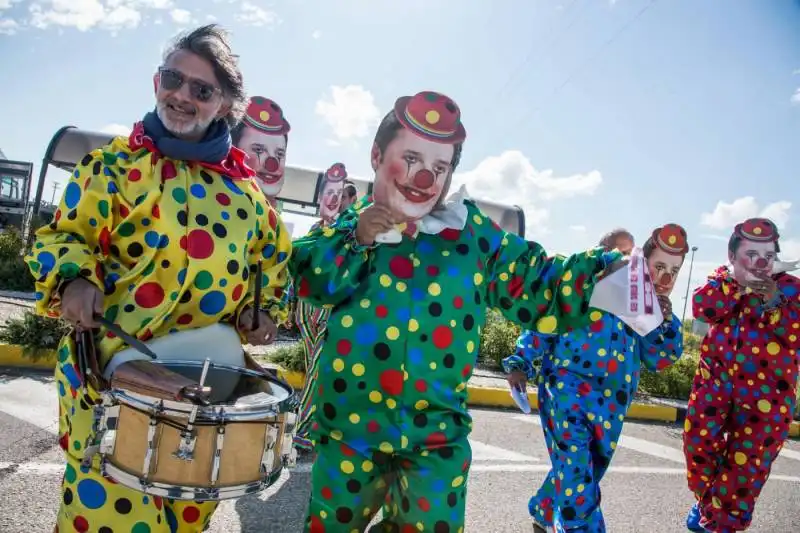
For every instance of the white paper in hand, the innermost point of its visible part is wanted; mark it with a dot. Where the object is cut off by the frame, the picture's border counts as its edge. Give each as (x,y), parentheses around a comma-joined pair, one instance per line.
(521,399)
(393,236)
(629,294)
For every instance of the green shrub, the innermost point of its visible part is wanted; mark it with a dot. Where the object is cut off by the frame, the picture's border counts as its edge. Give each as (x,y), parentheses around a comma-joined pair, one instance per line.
(672,382)
(498,339)
(11,244)
(15,275)
(36,334)
(291,357)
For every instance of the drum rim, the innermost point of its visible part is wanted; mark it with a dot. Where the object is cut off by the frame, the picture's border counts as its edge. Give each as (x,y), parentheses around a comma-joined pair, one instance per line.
(218,412)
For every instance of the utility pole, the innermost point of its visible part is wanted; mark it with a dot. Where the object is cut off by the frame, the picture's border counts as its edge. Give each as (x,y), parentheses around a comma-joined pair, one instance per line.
(688,284)
(56,186)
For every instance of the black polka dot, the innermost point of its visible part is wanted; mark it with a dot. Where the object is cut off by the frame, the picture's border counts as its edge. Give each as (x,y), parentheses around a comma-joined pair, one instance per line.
(186,297)
(165,263)
(241,213)
(329,410)
(452,499)
(421,420)
(201,220)
(449,360)
(524,315)
(106,529)
(86,160)
(233,267)
(568,513)
(462,249)
(362,385)
(339,385)
(129,308)
(441,527)
(469,322)
(67,496)
(123,506)
(219,230)
(72,215)
(344,515)
(208,178)
(445,452)
(353,486)
(435,309)
(483,244)
(405,504)
(135,249)
(622,397)
(183,218)
(382,351)
(97,168)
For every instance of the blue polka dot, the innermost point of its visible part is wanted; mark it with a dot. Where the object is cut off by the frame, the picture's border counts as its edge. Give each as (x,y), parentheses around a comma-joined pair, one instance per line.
(249,235)
(417,294)
(61,390)
(282,257)
(197,190)
(415,355)
(72,376)
(182,276)
(223,283)
(39,295)
(112,188)
(269,251)
(163,242)
(72,195)
(231,185)
(91,493)
(151,238)
(93,222)
(404,315)
(225,215)
(76,174)
(424,247)
(366,334)
(47,260)
(145,222)
(212,303)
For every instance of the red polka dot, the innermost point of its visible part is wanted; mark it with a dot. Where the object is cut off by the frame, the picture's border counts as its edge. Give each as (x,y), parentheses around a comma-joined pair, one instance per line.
(442,337)
(420,385)
(450,234)
(183,243)
(135,175)
(191,514)
(515,287)
(185,319)
(339,260)
(343,347)
(87,183)
(156,212)
(316,525)
(408,528)
(347,451)
(662,364)
(381,311)
(200,244)
(392,381)
(159,503)
(81,524)
(433,270)
(612,366)
(124,211)
(168,170)
(105,241)
(436,439)
(304,289)
(373,427)
(458,302)
(596,326)
(466,370)
(149,295)
(584,389)
(237,292)
(223,199)
(579,281)
(58,215)
(327,493)
(273,219)
(64,442)
(424,504)
(401,267)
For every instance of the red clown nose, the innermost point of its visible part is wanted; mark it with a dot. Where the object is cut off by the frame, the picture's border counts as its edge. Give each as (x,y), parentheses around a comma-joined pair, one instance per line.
(271,164)
(761,263)
(424,179)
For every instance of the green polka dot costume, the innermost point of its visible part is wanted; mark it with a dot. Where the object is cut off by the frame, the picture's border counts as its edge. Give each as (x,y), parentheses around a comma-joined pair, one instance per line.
(390,419)
(172,245)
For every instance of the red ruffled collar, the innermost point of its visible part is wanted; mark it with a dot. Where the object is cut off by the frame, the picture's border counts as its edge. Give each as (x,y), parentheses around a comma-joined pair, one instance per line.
(233,166)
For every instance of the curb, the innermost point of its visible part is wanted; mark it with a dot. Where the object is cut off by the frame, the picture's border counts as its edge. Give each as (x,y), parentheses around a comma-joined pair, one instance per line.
(11,355)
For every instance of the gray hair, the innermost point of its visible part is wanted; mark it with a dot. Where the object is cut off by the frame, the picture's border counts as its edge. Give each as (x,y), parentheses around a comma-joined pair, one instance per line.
(609,239)
(212,44)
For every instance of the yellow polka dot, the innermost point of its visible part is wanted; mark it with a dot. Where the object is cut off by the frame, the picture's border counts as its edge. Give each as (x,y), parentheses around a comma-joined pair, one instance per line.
(773,348)
(365,303)
(432,365)
(548,294)
(687,425)
(504,276)
(375,397)
(386,280)
(391,403)
(581,487)
(470,346)
(323,514)
(338,365)
(403,441)
(764,406)
(568,492)
(478,278)
(347,321)
(453,323)
(401,286)
(566,290)
(457,482)
(420,405)
(547,324)
(740,458)
(432,117)
(567,275)
(366,466)
(756,231)
(385,447)
(354,418)
(358,369)
(264,116)
(413,325)
(392,333)
(594,316)
(434,289)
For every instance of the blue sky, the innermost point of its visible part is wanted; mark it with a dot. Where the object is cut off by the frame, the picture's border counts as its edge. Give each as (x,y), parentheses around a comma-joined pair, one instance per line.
(645,111)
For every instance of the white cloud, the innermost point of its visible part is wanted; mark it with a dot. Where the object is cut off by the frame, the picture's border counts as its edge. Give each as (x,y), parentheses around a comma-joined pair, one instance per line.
(512,171)
(8,27)
(350,111)
(726,215)
(317,34)
(254,15)
(116,129)
(578,228)
(181,16)
(790,249)
(84,15)
(796,97)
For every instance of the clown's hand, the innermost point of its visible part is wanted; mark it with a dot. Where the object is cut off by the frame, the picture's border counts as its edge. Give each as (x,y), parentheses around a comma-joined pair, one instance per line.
(764,286)
(374,220)
(666,306)
(518,380)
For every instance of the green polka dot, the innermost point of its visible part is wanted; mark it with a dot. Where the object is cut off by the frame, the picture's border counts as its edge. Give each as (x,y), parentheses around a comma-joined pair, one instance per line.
(146,321)
(259,209)
(69,270)
(203,280)
(70,474)
(747,444)
(34,265)
(109,158)
(149,269)
(140,527)
(173,296)
(76,445)
(111,313)
(179,194)
(102,206)
(232,247)
(126,229)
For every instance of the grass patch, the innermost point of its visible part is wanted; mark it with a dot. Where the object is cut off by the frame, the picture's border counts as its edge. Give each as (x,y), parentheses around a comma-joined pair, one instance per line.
(37,335)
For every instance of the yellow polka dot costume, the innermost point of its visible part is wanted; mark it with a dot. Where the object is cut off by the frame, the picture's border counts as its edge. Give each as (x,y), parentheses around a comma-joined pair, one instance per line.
(391,420)
(172,245)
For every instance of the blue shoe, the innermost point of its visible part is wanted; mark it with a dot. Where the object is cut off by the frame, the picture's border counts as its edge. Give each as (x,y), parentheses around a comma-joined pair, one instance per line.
(693,520)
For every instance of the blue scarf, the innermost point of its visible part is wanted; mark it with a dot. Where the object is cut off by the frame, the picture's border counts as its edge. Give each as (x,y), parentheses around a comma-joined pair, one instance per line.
(213,148)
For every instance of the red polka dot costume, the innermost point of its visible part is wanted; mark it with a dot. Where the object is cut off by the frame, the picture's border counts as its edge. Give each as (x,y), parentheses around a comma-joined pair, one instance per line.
(172,245)
(391,423)
(743,395)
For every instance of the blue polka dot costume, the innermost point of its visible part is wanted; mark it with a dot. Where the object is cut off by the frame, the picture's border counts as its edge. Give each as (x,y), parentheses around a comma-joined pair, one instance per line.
(588,379)
(172,245)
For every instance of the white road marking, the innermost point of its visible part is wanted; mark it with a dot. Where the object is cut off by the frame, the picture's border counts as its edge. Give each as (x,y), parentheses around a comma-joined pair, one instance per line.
(789,454)
(487,452)
(32,401)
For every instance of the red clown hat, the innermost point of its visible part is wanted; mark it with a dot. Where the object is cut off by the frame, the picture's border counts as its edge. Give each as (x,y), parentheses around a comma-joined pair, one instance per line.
(336,173)
(432,116)
(672,239)
(757,230)
(265,115)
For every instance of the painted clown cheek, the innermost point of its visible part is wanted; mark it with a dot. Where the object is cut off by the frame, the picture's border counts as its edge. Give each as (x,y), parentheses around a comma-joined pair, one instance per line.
(396,171)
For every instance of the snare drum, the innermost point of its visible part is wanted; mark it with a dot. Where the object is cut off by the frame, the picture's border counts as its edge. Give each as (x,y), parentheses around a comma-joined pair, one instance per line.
(235,446)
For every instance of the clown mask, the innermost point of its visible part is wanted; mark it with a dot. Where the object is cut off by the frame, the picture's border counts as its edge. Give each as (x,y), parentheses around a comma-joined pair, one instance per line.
(666,250)
(267,156)
(413,171)
(331,201)
(753,249)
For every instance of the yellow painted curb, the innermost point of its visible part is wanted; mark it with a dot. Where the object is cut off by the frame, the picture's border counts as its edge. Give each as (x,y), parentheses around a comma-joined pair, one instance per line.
(794,431)
(491,397)
(296,380)
(660,413)
(11,355)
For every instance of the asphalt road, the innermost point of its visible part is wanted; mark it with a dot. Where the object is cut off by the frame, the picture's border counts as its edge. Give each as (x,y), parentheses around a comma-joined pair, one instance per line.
(645,491)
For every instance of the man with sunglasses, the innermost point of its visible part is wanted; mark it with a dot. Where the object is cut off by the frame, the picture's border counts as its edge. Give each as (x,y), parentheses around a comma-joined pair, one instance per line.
(159,233)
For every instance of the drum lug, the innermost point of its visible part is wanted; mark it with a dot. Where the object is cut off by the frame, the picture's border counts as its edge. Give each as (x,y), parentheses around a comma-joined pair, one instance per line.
(107,441)
(185,450)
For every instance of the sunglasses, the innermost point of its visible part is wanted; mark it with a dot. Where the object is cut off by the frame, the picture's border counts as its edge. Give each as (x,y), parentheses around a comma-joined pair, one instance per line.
(172,80)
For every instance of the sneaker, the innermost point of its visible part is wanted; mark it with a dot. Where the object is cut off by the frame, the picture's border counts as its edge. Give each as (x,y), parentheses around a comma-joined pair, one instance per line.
(693,520)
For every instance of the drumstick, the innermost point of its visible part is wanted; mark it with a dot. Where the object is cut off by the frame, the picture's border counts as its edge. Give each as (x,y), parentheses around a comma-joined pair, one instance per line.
(257,302)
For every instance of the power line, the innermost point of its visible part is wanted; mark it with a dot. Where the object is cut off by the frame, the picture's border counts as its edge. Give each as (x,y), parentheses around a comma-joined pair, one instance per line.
(525,116)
